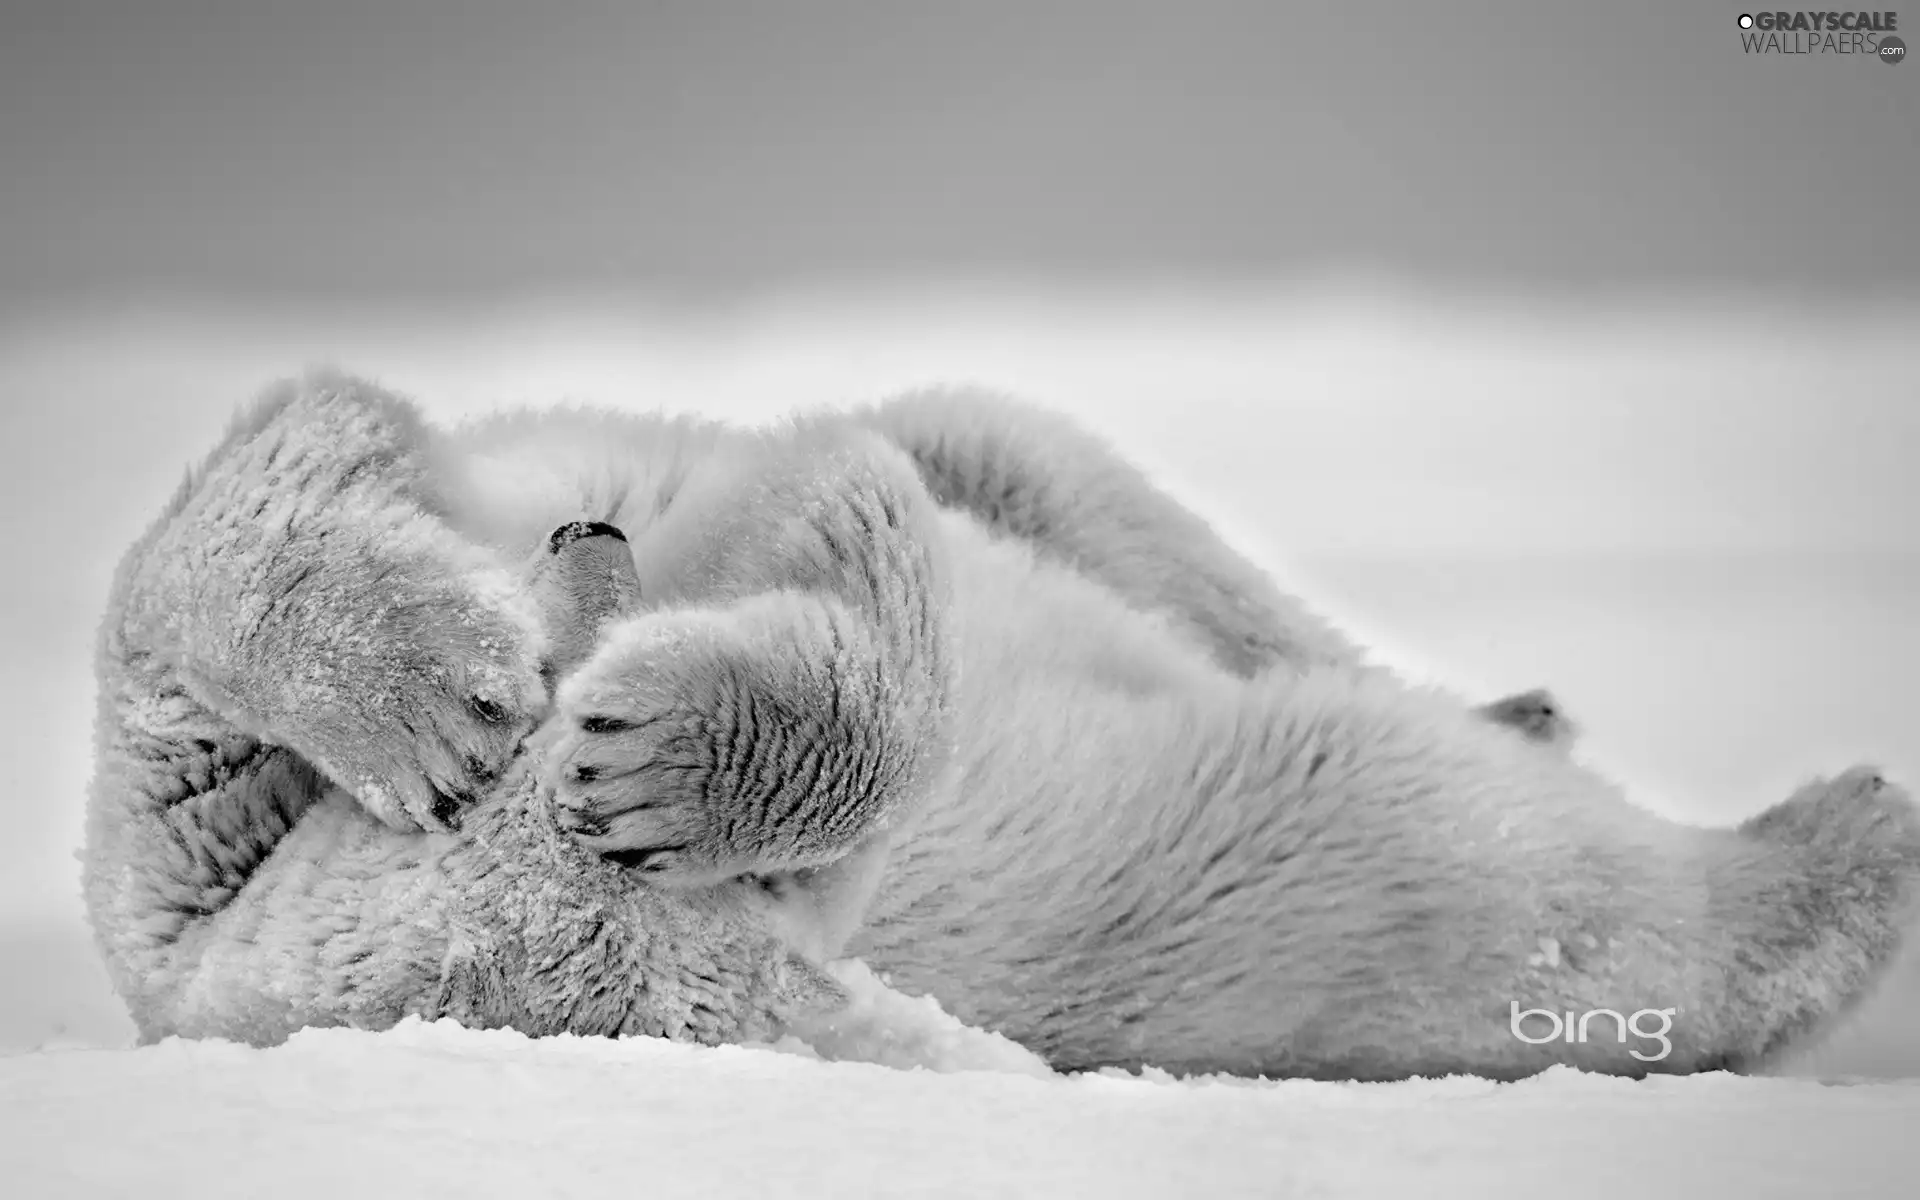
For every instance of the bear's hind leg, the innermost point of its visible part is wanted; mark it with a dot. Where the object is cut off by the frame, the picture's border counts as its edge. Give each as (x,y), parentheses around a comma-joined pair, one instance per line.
(1819,891)
(1034,475)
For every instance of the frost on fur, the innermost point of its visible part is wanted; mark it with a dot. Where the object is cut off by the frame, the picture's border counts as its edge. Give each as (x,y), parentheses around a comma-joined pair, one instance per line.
(593,723)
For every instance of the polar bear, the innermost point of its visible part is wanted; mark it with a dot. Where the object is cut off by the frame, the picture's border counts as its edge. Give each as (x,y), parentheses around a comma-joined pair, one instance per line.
(588,722)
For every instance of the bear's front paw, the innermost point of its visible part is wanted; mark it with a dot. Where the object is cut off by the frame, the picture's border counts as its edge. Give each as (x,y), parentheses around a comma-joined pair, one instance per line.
(665,749)
(633,789)
(701,745)
(411,688)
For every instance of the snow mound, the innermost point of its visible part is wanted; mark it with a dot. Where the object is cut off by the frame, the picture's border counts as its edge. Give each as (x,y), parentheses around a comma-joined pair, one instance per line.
(889,1028)
(434,1109)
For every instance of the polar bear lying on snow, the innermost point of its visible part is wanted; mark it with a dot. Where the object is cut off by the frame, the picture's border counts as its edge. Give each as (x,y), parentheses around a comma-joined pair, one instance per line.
(612,724)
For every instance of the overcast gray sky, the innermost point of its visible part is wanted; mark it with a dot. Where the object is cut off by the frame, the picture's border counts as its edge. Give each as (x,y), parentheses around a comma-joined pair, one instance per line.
(435,148)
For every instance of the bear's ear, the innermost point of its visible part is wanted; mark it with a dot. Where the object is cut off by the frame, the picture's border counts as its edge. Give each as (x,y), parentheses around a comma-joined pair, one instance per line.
(583,578)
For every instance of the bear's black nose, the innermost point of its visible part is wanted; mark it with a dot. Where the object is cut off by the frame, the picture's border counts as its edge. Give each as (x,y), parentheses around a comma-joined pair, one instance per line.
(574,531)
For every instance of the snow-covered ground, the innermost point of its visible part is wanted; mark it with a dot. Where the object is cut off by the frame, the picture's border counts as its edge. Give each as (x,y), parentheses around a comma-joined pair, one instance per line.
(440,1111)
(1696,522)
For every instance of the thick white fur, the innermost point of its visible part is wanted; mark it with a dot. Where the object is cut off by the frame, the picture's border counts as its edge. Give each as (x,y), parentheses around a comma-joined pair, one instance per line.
(941,684)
